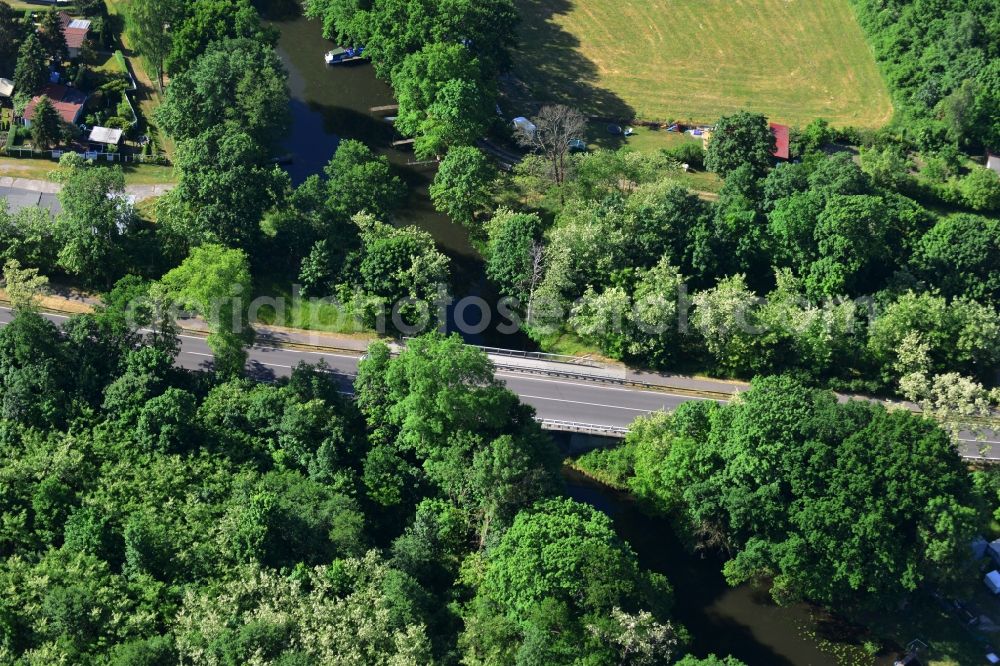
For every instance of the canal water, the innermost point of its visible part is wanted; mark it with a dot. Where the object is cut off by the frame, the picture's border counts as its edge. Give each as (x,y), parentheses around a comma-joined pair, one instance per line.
(741,621)
(331,103)
(334,103)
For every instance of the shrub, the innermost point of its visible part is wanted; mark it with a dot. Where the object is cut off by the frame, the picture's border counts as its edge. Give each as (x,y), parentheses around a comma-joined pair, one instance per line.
(690,153)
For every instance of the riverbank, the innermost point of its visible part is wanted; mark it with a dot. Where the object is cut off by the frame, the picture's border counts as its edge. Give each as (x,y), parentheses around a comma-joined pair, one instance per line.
(741,621)
(868,639)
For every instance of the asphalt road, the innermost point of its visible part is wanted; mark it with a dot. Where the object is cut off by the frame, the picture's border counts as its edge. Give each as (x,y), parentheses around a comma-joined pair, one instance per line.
(18,198)
(555,398)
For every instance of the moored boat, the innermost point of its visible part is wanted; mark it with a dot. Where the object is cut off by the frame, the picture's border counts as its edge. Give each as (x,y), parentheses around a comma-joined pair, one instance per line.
(340,55)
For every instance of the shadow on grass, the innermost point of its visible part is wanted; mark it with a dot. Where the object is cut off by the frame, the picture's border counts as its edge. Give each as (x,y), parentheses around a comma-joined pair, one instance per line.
(552,68)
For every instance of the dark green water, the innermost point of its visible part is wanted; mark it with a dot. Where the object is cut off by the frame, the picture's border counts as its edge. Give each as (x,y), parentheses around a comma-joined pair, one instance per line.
(330,103)
(333,103)
(741,621)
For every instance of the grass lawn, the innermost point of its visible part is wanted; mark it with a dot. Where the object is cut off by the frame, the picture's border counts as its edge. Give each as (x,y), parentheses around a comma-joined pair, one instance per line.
(308,314)
(950,643)
(794,60)
(135,174)
(34,6)
(148,95)
(650,140)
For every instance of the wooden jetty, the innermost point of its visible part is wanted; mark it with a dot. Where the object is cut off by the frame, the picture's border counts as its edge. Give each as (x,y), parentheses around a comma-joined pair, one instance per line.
(384,109)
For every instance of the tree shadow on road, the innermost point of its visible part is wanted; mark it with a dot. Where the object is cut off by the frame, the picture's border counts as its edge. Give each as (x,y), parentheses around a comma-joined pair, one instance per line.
(549,67)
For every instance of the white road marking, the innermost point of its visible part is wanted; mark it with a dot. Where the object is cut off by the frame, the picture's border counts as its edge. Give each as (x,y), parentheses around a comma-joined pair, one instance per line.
(306,351)
(596,386)
(589,404)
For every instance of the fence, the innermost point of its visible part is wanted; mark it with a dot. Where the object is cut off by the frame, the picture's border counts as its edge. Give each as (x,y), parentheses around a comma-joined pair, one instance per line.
(133,85)
(119,158)
(541,356)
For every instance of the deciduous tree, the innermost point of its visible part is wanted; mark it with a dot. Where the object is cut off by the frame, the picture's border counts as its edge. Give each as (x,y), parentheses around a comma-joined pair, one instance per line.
(149,30)
(461,187)
(214,281)
(96,217)
(742,138)
(554,127)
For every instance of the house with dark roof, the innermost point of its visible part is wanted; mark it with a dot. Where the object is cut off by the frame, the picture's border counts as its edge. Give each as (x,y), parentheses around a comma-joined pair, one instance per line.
(76,31)
(781,140)
(69,103)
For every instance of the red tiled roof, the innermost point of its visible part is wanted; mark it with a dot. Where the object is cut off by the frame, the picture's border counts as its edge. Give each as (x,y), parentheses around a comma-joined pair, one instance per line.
(781,140)
(76,30)
(67,101)
(75,37)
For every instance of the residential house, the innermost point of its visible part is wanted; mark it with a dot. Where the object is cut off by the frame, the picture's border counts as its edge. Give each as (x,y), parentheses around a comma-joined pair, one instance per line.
(69,103)
(781,140)
(76,31)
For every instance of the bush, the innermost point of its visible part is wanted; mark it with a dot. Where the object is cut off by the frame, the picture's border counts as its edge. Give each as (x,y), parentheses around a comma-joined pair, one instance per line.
(120,59)
(690,153)
(981,190)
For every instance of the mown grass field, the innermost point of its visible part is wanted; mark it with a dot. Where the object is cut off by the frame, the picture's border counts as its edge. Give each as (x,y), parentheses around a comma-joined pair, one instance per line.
(793,60)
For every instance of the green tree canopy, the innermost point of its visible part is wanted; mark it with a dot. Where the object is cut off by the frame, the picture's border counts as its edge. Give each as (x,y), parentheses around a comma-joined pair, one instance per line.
(96,219)
(214,281)
(11,33)
(960,256)
(742,138)
(461,187)
(46,125)
(847,505)
(31,73)
(225,188)
(560,570)
(147,22)
(205,22)
(53,37)
(359,181)
(514,253)
(236,82)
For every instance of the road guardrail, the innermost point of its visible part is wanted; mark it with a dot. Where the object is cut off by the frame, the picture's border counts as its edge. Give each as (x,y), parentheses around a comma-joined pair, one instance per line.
(588,428)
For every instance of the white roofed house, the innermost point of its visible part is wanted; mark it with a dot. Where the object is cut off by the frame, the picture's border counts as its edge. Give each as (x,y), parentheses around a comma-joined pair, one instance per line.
(993,162)
(105,137)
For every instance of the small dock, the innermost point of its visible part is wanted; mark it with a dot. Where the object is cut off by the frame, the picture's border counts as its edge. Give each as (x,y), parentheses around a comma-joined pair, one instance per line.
(384,109)
(402,143)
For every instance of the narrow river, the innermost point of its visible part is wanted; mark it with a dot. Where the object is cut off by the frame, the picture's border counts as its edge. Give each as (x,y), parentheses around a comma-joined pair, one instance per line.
(331,103)
(741,621)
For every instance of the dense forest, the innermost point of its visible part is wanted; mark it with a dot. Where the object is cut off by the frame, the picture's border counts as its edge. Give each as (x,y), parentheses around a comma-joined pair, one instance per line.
(941,60)
(829,268)
(847,505)
(153,515)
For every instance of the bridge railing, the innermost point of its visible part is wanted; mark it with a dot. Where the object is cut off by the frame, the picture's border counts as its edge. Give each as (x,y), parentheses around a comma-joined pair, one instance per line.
(536,356)
(541,356)
(589,428)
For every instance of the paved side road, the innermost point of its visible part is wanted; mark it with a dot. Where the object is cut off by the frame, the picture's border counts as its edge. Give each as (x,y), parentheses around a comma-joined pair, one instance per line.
(18,199)
(24,193)
(553,397)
